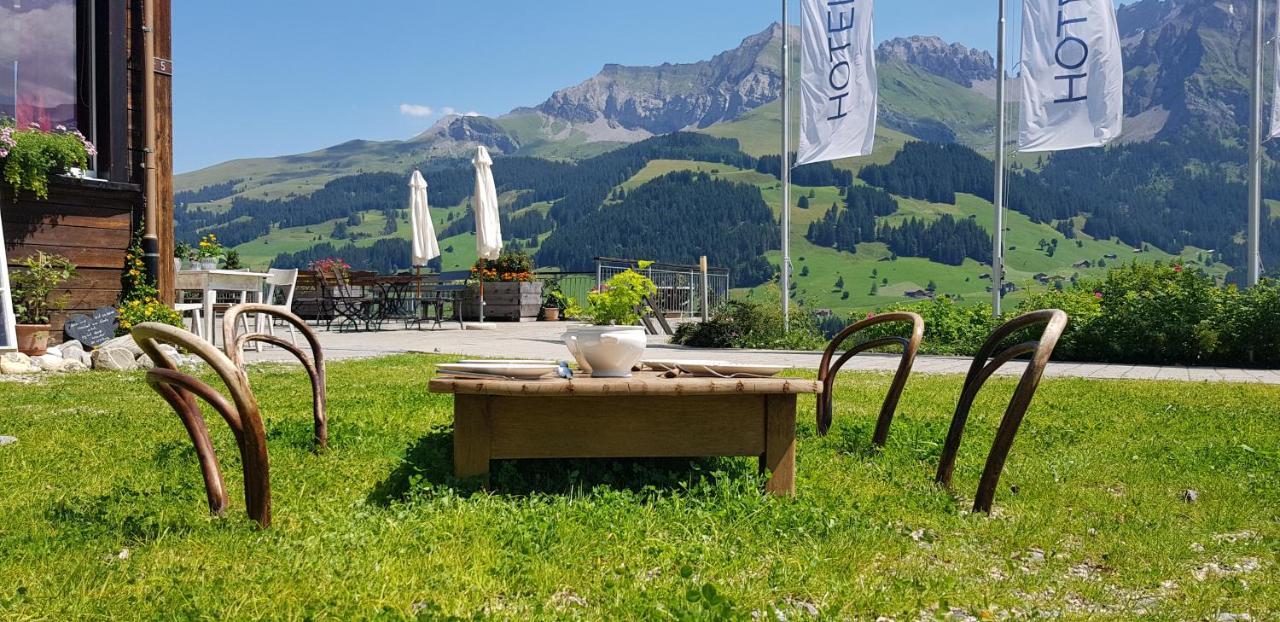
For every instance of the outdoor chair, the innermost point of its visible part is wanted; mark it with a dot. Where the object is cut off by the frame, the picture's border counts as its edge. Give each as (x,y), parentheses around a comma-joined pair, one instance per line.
(346,301)
(195,310)
(241,412)
(280,285)
(828,371)
(984,365)
(439,291)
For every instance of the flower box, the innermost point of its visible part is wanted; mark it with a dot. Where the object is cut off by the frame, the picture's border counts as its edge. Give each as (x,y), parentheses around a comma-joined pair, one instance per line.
(504,301)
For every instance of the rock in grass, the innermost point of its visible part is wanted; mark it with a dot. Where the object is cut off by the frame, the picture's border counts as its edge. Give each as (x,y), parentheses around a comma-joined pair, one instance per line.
(125,343)
(8,440)
(114,359)
(74,365)
(49,362)
(1190,496)
(145,362)
(17,363)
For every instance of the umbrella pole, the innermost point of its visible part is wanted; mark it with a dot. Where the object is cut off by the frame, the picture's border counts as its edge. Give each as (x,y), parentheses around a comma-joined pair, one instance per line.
(482,300)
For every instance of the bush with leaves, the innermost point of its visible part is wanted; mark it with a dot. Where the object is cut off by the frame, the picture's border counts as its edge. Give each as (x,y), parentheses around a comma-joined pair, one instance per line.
(139,298)
(754,325)
(616,302)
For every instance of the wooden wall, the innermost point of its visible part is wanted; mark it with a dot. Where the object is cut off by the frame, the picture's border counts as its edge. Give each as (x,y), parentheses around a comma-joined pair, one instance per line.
(89,223)
(164,125)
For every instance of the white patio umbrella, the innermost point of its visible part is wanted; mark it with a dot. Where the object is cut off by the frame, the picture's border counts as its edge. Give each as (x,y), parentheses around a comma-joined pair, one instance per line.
(425,245)
(488,227)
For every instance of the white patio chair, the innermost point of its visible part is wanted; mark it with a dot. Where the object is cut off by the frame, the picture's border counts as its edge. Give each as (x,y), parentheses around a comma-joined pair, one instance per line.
(281,283)
(194,309)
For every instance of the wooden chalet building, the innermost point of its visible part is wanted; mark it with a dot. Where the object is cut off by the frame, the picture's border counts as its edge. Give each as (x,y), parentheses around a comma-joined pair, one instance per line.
(84,64)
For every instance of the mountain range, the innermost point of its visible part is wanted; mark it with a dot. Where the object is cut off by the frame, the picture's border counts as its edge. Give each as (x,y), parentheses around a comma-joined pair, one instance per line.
(1186,76)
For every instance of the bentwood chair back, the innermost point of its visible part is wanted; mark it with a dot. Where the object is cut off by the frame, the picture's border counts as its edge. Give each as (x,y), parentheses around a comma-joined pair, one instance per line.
(827,371)
(984,365)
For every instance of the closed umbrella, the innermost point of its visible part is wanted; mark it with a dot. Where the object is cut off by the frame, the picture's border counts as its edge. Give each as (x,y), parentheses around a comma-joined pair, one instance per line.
(488,227)
(425,245)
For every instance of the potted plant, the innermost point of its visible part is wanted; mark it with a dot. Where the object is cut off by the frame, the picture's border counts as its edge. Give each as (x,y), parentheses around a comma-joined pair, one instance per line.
(555,302)
(613,343)
(511,290)
(32,284)
(182,254)
(30,155)
(209,251)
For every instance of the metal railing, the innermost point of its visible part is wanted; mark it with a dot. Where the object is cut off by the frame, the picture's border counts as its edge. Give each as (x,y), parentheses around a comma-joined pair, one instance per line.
(574,285)
(681,290)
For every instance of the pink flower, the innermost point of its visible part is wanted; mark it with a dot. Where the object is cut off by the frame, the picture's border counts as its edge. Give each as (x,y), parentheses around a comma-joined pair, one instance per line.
(1097,295)
(60,128)
(870,314)
(35,125)
(1177,268)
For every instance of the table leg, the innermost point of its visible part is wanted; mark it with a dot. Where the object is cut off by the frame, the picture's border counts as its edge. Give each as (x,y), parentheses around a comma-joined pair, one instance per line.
(207,301)
(471,436)
(779,457)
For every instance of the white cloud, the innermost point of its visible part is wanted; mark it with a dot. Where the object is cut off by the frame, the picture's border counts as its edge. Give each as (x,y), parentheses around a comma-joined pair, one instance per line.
(448,111)
(416,110)
(471,113)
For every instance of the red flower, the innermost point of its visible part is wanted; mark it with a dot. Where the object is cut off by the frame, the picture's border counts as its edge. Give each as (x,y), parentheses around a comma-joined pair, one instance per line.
(1177,268)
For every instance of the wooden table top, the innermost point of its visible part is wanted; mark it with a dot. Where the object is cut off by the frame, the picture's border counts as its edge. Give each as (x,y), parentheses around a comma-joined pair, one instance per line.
(640,384)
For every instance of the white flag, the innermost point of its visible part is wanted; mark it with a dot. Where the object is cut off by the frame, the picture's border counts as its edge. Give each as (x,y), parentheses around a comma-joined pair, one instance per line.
(1275,95)
(1072,75)
(838,81)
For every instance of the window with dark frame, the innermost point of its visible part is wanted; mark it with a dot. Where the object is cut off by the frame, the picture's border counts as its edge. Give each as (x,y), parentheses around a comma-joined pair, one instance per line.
(62,63)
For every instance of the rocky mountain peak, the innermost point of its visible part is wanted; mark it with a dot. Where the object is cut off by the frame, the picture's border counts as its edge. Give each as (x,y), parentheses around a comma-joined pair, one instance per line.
(955,62)
(672,97)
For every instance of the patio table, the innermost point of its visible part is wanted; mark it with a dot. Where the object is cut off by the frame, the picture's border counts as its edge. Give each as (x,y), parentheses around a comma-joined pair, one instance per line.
(645,416)
(209,282)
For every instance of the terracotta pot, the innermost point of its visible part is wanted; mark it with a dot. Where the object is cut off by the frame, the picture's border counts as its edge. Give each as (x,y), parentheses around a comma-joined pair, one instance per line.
(33,339)
(551,314)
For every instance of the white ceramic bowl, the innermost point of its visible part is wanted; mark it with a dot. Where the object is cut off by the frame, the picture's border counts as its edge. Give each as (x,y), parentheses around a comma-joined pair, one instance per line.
(607,351)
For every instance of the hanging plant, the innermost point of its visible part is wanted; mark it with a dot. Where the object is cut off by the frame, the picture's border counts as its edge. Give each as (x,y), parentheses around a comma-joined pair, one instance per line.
(29,156)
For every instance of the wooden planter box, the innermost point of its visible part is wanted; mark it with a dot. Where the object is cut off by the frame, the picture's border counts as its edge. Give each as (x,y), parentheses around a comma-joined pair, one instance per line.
(507,302)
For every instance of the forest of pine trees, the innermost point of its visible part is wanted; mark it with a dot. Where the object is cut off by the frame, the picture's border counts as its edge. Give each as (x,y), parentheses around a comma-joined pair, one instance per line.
(677,218)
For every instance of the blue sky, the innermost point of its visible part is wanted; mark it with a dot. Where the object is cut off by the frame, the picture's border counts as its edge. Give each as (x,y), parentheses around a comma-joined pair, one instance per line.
(271,78)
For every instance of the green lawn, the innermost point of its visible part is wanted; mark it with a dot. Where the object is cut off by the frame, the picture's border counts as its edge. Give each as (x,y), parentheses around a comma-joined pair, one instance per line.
(102,514)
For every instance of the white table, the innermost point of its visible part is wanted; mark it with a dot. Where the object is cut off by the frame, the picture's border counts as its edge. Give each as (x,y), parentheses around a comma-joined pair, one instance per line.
(210,282)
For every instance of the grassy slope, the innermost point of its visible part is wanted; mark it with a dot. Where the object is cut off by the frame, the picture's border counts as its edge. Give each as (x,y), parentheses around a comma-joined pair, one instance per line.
(817,288)
(104,512)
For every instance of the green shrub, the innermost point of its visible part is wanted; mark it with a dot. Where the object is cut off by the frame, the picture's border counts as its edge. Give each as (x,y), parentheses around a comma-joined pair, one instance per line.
(29,156)
(1156,313)
(1083,307)
(949,328)
(754,325)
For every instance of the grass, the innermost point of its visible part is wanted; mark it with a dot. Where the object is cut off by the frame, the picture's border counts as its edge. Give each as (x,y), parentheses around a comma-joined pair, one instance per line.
(103,512)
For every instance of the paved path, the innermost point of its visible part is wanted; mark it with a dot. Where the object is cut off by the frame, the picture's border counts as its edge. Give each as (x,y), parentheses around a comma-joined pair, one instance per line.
(541,340)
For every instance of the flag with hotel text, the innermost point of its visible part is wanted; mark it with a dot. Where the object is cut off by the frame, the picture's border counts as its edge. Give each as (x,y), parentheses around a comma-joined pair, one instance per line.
(838,80)
(1072,75)
(1275,93)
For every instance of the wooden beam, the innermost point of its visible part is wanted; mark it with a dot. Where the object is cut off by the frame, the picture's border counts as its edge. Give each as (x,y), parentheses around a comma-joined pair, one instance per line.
(163,44)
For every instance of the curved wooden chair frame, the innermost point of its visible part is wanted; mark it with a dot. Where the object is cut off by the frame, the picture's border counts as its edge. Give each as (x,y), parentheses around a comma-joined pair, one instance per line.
(827,371)
(241,414)
(235,345)
(984,365)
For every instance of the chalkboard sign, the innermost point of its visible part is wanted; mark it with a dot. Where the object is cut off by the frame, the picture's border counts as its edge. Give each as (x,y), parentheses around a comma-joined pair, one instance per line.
(93,330)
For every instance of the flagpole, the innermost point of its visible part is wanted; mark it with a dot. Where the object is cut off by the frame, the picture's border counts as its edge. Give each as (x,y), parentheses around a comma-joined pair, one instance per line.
(997,253)
(786,176)
(1254,236)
